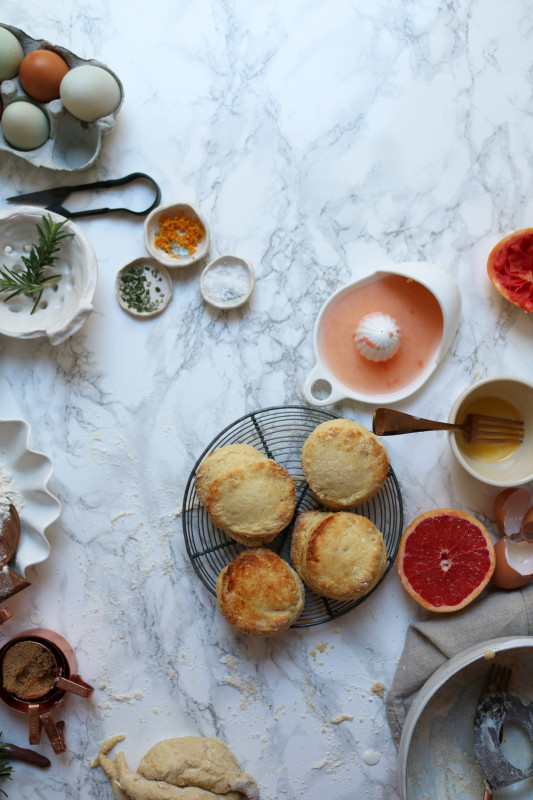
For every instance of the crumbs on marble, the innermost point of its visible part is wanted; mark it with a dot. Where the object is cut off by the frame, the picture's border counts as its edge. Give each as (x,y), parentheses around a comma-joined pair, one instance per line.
(120,515)
(235,680)
(378,688)
(341,718)
(319,648)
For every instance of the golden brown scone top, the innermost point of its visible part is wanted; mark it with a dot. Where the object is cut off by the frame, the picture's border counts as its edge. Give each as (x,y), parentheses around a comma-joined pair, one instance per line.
(338,555)
(253,502)
(221,460)
(259,593)
(344,463)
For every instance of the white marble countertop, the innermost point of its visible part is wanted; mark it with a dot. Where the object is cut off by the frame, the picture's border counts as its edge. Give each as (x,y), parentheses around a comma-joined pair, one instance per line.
(319,139)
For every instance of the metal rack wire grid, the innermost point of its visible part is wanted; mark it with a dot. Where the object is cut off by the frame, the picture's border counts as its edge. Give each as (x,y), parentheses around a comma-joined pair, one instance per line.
(280,433)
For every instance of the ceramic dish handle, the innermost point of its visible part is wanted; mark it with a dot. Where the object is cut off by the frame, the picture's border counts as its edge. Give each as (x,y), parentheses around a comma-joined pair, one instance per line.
(59,334)
(333,393)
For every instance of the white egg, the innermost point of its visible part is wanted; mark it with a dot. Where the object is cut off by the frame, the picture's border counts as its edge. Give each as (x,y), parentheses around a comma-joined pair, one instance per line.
(90,92)
(11,54)
(25,125)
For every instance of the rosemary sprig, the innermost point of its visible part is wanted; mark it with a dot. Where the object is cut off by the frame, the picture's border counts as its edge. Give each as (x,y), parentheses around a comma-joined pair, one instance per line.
(5,767)
(32,279)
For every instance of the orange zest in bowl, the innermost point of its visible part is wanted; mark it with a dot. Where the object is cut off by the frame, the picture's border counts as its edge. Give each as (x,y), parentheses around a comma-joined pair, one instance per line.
(179,232)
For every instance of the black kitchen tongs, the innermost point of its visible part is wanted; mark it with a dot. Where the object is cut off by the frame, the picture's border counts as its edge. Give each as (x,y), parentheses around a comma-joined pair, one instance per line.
(51,199)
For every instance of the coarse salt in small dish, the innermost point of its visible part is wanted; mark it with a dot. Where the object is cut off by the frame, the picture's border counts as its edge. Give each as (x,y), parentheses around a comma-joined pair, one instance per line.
(227,282)
(143,288)
(176,235)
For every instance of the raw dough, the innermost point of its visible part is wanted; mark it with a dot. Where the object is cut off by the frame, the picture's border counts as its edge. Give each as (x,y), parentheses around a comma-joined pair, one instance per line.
(185,768)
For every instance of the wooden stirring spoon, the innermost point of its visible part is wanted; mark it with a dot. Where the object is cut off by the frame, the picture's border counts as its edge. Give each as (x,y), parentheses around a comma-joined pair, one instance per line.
(10,581)
(16,753)
(9,536)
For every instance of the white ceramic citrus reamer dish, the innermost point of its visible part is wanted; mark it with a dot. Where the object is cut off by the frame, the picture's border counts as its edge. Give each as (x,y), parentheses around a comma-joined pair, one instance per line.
(427,305)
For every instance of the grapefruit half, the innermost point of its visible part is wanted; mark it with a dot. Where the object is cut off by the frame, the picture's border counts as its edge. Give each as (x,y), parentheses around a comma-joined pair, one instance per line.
(445,559)
(510,268)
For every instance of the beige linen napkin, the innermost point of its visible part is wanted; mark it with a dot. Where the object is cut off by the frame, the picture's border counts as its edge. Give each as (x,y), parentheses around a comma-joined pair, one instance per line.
(430,643)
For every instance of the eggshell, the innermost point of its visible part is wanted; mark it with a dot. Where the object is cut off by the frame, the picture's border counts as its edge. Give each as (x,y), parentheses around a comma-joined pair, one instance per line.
(510,505)
(11,54)
(526,528)
(504,576)
(25,125)
(90,92)
(41,73)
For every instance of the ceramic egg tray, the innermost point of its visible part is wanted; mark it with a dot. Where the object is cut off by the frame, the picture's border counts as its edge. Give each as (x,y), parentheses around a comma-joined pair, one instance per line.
(72,144)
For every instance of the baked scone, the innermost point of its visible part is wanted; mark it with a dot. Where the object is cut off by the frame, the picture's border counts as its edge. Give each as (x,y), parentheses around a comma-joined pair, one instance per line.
(338,555)
(252,503)
(219,461)
(259,593)
(344,463)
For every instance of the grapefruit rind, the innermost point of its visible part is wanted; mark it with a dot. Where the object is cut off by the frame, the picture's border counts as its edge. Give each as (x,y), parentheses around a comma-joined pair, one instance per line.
(510,268)
(486,565)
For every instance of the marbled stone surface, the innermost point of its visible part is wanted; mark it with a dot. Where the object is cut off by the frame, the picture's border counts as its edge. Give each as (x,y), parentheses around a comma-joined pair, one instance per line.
(320,139)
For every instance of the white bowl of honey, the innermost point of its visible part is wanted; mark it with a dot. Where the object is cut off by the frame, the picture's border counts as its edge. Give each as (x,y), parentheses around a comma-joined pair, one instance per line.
(416,303)
(502,464)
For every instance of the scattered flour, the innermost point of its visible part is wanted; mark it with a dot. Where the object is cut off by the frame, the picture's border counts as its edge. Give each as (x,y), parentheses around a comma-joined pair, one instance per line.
(9,493)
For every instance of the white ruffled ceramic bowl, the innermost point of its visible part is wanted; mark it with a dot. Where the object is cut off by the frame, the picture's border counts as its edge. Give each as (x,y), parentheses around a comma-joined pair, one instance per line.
(323,386)
(65,303)
(31,472)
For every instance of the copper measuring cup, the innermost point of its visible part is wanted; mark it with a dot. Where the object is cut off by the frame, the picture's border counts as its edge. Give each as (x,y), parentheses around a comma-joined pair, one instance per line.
(39,708)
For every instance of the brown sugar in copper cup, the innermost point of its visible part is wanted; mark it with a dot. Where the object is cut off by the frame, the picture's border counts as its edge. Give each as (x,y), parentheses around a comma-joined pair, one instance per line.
(54,683)
(29,670)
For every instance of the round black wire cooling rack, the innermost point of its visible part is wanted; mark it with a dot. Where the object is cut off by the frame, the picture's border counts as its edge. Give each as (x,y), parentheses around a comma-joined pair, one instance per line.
(280,432)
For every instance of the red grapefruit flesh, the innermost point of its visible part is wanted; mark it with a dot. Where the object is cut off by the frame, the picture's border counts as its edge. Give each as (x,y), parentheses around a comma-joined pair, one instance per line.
(445,559)
(510,268)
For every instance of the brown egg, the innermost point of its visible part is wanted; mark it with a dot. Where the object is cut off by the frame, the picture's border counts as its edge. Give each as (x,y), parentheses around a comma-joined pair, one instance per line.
(504,576)
(41,73)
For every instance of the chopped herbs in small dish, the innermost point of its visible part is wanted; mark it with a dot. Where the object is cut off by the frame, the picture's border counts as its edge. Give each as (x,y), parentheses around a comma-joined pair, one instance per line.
(143,288)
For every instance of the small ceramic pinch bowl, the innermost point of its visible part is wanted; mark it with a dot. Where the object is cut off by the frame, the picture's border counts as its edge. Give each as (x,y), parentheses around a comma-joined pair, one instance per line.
(227,282)
(419,296)
(177,255)
(157,288)
(515,469)
(66,302)
(436,756)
